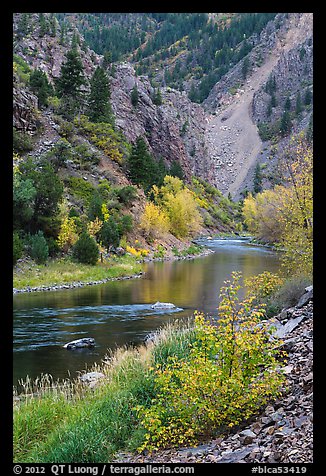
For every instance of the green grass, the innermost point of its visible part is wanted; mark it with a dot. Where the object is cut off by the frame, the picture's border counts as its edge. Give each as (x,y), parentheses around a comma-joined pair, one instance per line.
(68,422)
(64,271)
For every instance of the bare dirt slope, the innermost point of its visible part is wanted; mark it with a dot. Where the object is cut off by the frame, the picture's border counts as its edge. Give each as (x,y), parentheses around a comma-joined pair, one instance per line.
(232,138)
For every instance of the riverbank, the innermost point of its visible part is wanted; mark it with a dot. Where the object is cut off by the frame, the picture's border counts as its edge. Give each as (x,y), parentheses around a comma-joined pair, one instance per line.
(67,274)
(283,431)
(280,433)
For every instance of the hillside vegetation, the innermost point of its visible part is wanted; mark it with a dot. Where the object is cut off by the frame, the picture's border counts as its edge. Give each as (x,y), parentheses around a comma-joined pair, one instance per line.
(82,191)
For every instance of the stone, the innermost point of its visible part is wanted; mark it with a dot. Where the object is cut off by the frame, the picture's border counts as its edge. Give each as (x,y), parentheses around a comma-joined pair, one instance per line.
(92,378)
(163,305)
(305,298)
(288,327)
(85,342)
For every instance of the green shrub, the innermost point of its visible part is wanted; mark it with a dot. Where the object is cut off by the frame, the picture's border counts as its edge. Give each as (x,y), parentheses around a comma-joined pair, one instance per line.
(288,294)
(125,224)
(66,129)
(17,247)
(22,142)
(85,250)
(38,248)
(109,234)
(80,188)
(126,194)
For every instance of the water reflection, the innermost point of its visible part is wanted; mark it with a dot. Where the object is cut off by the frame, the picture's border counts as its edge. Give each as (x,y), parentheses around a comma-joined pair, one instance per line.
(119,312)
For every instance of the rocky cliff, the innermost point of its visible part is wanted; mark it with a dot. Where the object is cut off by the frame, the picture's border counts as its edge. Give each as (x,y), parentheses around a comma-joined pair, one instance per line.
(218,140)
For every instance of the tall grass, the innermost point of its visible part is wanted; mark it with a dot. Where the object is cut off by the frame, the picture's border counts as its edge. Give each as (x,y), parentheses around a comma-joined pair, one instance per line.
(62,271)
(67,421)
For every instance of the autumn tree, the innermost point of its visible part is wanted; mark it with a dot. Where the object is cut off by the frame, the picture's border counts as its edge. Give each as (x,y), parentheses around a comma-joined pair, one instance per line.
(154,221)
(284,215)
(180,206)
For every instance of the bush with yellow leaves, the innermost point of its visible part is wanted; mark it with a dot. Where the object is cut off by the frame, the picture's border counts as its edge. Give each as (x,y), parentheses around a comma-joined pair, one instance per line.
(230,371)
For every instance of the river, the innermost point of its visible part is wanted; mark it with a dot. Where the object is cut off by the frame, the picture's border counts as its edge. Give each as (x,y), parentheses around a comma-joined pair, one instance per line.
(119,312)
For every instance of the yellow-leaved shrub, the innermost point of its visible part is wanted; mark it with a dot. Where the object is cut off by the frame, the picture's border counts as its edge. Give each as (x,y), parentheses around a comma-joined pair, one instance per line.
(230,371)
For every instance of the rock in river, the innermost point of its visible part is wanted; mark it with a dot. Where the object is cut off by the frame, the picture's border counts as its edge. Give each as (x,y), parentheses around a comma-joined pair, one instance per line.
(80,343)
(163,305)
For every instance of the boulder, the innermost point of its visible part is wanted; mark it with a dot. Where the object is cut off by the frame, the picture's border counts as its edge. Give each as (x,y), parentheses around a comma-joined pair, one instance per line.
(163,305)
(91,378)
(306,297)
(80,343)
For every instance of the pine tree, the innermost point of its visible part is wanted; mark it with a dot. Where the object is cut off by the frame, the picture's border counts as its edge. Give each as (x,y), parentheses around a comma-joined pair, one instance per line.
(176,170)
(258,178)
(298,105)
(71,76)
(107,60)
(285,126)
(68,85)
(308,97)
(43,25)
(245,67)
(98,102)
(40,85)
(53,25)
(287,104)
(134,96)
(143,169)
(23,24)
(157,99)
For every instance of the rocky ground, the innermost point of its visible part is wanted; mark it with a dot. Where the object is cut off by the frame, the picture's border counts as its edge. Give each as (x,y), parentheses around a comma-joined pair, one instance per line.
(283,431)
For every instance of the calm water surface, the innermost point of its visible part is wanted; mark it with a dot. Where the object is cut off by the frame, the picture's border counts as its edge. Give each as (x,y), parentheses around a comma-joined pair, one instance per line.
(118,313)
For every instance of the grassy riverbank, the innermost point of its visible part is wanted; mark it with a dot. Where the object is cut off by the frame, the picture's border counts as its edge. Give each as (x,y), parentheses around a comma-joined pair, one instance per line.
(66,271)
(169,392)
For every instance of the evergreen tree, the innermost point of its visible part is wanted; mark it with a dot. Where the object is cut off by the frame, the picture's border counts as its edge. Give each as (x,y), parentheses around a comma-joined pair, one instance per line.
(143,169)
(109,234)
(43,25)
(53,25)
(85,250)
(98,102)
(310,130)
(107,60)
(69,83)
(157,99)
(286,124)
(287,104)
(308,97)
(245,67)
(273,100)
(75,41)
(176,170)
(38,248)
(298,105)
(134,96)
(258,178)
(23,24)
(40,85)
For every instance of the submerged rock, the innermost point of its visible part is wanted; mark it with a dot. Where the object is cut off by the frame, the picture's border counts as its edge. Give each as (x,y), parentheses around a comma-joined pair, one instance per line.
(163,305)
(80,343)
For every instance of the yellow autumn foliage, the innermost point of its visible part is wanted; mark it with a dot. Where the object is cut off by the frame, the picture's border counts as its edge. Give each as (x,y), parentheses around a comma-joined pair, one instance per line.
(284,215)
(154,221)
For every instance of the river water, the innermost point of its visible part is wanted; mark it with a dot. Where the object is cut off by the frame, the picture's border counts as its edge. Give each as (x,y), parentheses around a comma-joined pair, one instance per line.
(119,312)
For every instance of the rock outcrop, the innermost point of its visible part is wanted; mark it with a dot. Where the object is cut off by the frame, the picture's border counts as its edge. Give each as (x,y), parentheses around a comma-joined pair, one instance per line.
(25,117)
(174,130)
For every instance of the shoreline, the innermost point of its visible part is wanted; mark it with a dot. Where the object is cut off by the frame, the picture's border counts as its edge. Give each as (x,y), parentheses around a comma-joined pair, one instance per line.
(81,284)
